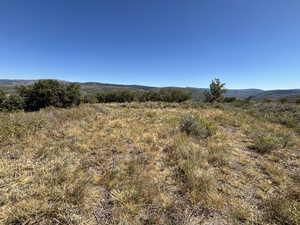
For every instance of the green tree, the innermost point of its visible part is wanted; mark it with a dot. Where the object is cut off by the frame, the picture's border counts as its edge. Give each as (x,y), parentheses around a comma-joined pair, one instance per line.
(173,95)
(216,90)
(229,99)
(46,93)
(2,97)
(90,98)
(101,97)
(248,99)
(283,100)
(125,96)
(13,103)
(72,95)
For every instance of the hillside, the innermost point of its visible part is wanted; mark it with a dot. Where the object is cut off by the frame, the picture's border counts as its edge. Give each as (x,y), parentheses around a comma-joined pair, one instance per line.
(94,87)
(11,82)
(152,163)
(277,94)
(243,93)
(197,93)
(293,98)
(87,87)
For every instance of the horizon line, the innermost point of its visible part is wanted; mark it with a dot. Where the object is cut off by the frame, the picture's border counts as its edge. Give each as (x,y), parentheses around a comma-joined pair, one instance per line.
(136,84)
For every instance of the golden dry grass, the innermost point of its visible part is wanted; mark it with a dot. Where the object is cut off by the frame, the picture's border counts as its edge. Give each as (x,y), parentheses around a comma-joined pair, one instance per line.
(131,164)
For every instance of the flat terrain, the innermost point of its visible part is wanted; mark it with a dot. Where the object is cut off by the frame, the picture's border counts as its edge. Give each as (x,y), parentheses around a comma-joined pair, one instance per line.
(151,163)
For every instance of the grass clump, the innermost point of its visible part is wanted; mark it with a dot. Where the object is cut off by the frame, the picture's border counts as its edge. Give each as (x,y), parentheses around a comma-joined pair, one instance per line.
(284,209)
(217,156)
(284,114)
(265,144)
(267,139)
(17,126)
(56,196)
(197,126)
(196,183)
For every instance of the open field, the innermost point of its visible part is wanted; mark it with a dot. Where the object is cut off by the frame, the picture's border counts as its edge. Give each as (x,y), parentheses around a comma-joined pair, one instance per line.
(151,163)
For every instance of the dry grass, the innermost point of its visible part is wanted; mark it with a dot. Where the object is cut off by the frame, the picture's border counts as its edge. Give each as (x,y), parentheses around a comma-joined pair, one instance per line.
(132,164)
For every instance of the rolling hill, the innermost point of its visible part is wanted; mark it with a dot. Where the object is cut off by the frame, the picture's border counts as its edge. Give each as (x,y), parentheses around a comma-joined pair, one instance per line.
(8,85)
(277,94)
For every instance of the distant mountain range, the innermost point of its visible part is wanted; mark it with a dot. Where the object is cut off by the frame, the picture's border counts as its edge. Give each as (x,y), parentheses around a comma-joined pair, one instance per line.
(8,85)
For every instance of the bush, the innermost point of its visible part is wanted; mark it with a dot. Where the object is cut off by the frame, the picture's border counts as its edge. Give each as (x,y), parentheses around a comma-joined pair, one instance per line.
(285,114)
(283,100)
(147,96)
(164,95)
(173,95)
(284,209)
(298,101)
(90,99)
(216,90)
(265,143)
(229,99)
(13,103)
(45,93)
(2,97)
(197,126)
(72,95)
(116,96)
(151,96)
(285,119)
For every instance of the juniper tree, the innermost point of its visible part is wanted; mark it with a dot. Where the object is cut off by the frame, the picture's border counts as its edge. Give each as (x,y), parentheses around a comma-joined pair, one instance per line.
(216,90)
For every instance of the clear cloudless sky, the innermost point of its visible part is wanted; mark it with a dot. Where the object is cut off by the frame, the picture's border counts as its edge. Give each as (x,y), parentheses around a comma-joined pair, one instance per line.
(246,43)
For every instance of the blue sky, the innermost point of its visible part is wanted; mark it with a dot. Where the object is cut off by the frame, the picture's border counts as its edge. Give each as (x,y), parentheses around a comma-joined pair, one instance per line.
(246,43)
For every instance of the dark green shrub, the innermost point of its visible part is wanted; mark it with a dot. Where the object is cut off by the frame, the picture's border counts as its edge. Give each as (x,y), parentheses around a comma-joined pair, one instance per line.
(248,99)
(298,101)
(286,119)
(116,96)
(126,96)
(2,97)
(216,90)
(229,99)
(173,95)
(284,209)
(265,143)
(72,95)
(164,95)
(151,96)
(90,99)
(45,93)
(101,97)
(285,114)
(283,100)
(197,126)
(13,103)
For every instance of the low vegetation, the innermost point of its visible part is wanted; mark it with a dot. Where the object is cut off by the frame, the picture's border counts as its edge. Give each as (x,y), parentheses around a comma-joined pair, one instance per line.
(150,157)
(45,93)
(286,114)
(149,163)
(197,126)
(216,91)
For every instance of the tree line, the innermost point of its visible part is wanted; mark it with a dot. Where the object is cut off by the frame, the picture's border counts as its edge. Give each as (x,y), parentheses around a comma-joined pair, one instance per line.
(45,93)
